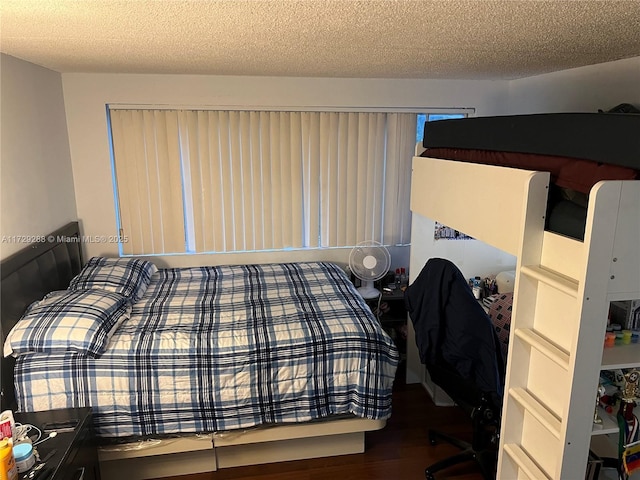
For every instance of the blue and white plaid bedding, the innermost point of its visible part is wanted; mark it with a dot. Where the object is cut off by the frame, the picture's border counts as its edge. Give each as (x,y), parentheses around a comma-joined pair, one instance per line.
(221,348)
(130,277)
(79,321)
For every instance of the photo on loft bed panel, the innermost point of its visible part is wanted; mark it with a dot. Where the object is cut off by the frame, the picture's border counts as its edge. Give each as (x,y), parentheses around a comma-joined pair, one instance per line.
(442,232)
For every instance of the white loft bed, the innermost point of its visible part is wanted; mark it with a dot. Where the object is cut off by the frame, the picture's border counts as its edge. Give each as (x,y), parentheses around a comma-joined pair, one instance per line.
(561,301)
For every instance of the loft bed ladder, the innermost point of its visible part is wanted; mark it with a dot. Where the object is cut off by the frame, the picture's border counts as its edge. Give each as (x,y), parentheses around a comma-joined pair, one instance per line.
(560,313)
(560,306)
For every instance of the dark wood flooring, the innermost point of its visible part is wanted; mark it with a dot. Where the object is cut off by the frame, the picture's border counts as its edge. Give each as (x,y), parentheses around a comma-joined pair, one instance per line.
(400,451)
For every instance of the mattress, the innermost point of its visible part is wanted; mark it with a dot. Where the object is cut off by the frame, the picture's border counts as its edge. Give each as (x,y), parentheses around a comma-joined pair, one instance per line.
(213,349)
(611,138)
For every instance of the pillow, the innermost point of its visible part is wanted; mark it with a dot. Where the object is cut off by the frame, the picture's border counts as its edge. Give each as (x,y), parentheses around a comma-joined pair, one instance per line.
(127,276)
(69,321)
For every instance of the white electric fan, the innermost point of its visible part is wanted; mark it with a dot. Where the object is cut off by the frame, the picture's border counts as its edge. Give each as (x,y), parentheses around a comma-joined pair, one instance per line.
(369,261)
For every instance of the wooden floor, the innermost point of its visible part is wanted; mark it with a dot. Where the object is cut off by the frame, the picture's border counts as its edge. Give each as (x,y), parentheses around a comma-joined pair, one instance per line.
(400,451)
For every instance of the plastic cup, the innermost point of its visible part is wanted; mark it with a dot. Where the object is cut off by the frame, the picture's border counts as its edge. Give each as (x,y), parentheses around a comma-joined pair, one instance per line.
(609,339)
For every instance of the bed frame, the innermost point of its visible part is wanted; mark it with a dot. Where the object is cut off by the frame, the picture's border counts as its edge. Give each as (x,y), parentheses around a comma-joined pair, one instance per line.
(43,267)
(561,301)
(27,276)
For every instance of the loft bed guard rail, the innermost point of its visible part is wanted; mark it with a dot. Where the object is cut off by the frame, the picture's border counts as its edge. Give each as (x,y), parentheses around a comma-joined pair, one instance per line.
(464,204)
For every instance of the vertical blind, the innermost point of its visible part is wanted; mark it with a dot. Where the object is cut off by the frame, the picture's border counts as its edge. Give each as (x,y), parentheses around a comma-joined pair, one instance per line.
(146,154)
(223,181)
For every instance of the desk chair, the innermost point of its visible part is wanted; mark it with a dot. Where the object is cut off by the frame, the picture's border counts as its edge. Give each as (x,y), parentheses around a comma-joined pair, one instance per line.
(459,347)
(485,418)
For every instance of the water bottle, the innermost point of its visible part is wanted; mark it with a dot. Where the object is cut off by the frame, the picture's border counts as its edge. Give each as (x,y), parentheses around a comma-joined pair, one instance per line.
(477,288)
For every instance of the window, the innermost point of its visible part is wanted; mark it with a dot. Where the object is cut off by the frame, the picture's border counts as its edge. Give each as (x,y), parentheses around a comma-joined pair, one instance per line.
(430,117)
(228,181)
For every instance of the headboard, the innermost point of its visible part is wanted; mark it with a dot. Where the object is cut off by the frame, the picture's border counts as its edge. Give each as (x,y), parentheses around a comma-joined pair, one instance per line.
(27,276)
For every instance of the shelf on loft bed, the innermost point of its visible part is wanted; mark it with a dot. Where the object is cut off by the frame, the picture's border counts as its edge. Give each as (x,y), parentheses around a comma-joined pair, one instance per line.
(621,356)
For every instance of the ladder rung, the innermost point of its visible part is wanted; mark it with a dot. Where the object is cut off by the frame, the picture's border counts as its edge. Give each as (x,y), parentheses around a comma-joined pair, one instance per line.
(538,410)
(522,460)
(553,279)
(544,346)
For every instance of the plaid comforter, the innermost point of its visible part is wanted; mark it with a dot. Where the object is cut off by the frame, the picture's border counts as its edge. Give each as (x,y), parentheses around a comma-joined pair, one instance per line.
(221,348)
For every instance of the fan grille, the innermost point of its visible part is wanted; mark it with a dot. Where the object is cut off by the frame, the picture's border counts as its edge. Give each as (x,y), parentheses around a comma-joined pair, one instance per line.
(369,261)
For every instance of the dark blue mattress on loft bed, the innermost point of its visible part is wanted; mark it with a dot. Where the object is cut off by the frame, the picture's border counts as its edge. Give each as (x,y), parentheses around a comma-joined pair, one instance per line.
(578,149)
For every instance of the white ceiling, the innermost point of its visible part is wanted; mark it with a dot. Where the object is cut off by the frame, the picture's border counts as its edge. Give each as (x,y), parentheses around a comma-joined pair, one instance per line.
(455,39)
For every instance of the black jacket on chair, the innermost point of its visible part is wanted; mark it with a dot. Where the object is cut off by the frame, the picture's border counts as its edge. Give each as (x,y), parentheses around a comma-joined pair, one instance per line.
(452,326)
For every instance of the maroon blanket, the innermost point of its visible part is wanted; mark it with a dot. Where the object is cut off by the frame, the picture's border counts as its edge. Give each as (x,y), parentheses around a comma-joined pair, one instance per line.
(575,174)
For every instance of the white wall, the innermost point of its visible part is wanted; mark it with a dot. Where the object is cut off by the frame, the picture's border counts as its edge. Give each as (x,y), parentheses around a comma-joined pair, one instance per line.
(584,89)
(86,97)
(35,176)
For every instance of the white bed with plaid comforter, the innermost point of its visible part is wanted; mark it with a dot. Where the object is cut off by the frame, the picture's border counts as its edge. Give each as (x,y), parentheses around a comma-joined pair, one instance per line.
(211,349)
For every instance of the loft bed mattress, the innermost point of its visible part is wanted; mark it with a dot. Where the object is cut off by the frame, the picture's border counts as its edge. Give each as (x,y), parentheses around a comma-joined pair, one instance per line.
(609,138)
(578,150)
(213,349)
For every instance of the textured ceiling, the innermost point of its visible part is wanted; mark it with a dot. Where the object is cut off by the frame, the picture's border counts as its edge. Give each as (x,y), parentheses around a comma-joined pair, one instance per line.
(465,39)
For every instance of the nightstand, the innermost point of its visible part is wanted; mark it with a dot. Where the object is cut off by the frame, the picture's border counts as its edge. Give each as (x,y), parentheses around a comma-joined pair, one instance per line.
(76,455)
(394,314)
(392,318)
